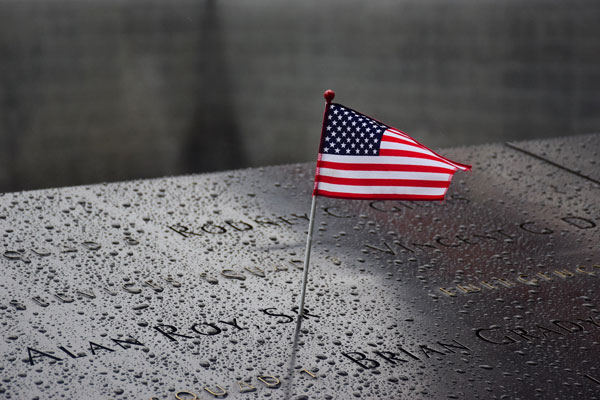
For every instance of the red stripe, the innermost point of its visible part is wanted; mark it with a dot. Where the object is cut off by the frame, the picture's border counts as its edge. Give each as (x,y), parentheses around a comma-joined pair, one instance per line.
(384,182)
(407,153)
(367,196)
(398,140)
(384,167)
(466,167)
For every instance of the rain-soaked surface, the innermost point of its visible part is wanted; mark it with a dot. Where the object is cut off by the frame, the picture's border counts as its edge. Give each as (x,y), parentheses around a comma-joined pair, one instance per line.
(186,287)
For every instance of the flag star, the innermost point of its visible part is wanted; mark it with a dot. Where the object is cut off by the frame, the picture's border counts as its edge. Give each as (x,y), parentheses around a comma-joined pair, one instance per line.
(353,145)
(362,134)
(344,133)
(346,112)
(353,123)
(339,128)
(344,123)
(379,131)
(328,127)
(334,122)
(338,139)
(370,146)
(362,145)
(335,111)
(374,151)
(343,145)
(326,149)
(372,134)
(364,124)
(368,130)
(337,150)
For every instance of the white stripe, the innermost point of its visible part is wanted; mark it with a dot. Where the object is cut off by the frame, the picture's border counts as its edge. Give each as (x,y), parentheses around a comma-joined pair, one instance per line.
(400,136)
(425,176)
(385,160)
(407,147)
(394,133)
(331,187)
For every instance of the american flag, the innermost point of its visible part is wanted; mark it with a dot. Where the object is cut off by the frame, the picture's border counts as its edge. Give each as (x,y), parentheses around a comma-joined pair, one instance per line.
(361,158)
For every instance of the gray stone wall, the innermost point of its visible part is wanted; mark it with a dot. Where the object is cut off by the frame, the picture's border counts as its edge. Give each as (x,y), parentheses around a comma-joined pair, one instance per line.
(102,90)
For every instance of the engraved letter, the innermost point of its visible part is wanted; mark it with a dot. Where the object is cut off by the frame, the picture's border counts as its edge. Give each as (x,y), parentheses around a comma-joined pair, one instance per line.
(447,292)
(256,271)
(40,301)
(231,274)
(171,332)
(157,288)
(186,394)
(524,334)
(387,250)
(239,226)
(245,387)
(389,356)
(64,298)
(426,350)
(287,317)
(469,288)
(269,380)
(234,324)
(216,330)
(563,273)
(128,288)
(579,222)
(223,392)
(96,346)
(458,345)
(479,331)
(523,279)
(591,320)
(124,343)
(361,360)
(525,227)
(575,326)
(40,354)
(209,227)
(71,354)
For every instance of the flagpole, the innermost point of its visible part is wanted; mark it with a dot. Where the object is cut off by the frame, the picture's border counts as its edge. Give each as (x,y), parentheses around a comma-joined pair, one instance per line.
(328,95)
(311,225)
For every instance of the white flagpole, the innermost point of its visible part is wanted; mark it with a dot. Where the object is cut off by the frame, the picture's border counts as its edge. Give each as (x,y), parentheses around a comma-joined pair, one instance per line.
(328,95)
(311,224)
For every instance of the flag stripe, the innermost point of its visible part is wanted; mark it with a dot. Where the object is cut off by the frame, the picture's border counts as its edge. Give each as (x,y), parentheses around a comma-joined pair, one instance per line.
(372,196)
(350,189)
(384,167)
(407,153)
(384,182)
(417,160)
(371,174)
(402,146)
(391,137)
(392,131)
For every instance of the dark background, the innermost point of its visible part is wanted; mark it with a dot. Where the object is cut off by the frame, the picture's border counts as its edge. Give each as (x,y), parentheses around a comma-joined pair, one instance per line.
(104,90)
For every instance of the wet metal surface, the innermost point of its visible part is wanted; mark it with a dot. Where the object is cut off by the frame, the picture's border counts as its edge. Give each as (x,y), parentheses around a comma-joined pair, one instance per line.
(185,287)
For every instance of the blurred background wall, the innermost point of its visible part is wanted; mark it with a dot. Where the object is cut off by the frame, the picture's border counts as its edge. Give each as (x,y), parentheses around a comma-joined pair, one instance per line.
(104,90)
